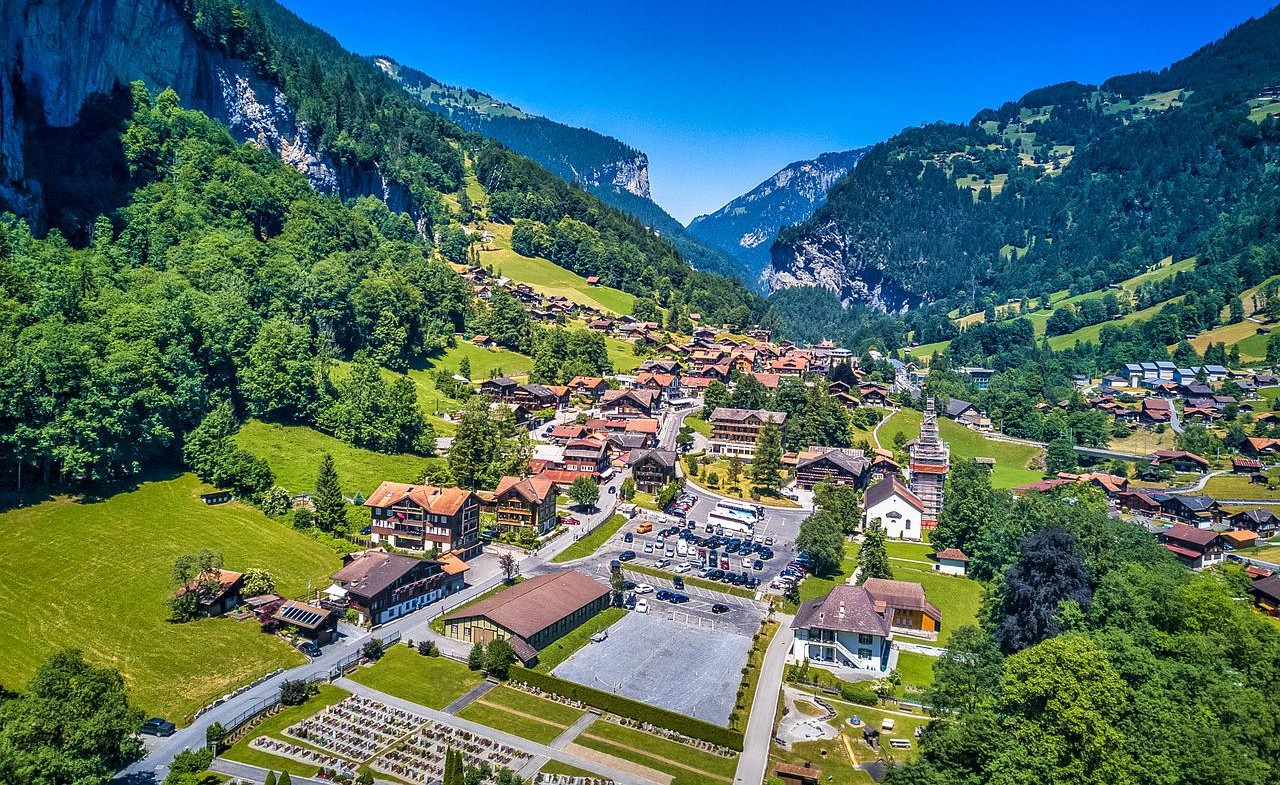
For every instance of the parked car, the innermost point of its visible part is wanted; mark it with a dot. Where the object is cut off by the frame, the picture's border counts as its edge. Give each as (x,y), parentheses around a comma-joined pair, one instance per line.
(630,602)
(628,537)
(308,648)
(648,547)
(643,588)
(660,563)
(663,594)
(642,606)
(628,584)
(678,598)
(768,540)
(719,607)
(678,582)
(759,565)
(157,726)
(682,568)
(626,556)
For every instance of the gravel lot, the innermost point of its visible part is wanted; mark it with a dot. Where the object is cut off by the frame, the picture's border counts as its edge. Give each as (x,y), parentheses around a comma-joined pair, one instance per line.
(688,669)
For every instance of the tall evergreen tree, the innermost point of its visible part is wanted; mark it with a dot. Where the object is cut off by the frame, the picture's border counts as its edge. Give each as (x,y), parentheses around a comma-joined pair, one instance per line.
(873,558)
(766,467)
(331,507)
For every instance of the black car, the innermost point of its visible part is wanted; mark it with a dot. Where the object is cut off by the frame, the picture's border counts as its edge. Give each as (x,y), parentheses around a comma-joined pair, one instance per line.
(626,556)
(628,537)
(719,607)
(158,727)
(308,648)
(678,582)
(628,584)
(716,574)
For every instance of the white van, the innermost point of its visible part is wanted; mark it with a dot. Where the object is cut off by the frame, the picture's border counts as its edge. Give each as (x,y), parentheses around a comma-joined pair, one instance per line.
(682,548)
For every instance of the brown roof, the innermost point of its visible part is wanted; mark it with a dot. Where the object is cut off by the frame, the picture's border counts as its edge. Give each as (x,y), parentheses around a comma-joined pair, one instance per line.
(643,425)
(851,460)
(452,564)
(803,772)
(847,609)
(442,501)
(888,487)
(641,397)
(301,614)
(532,489)
(1184,533)
(530,607)
(665,458)
(370,572)
(901,594)
(227,579)
(952,554)
(738,415)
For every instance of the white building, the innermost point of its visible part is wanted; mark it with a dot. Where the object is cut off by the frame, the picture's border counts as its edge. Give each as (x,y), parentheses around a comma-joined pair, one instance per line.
(843,630)
(900,511)
(951,561)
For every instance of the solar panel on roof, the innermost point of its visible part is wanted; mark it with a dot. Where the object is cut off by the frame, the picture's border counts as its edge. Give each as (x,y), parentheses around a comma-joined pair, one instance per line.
(300,615)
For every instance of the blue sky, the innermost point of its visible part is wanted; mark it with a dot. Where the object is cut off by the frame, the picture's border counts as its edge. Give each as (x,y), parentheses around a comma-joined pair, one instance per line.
(723,94)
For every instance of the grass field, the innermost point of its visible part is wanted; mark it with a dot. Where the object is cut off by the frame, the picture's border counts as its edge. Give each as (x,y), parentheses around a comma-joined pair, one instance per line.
(588,545)
(744,489)
(95,576)
(1238,486)
(434,682)
(915,670)
(1091,333)
(1253,348)
(700,425)
(564,647)
(549,278)
(687,765)
(1012,460)
(525,715)
(484,363)
(958,598)
(274,725)
(1269,553)
(1230,334)
(294,452)
(622,355)
(1143,441)
(556,767)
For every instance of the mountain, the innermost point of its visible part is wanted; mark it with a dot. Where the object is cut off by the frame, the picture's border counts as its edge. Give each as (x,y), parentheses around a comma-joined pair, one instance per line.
(1070,187)
(602,165)
(288,87)
(746,226)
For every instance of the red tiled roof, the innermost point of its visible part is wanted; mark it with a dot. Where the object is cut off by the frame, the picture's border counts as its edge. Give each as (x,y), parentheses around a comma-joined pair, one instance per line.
(951,554)
(442,501)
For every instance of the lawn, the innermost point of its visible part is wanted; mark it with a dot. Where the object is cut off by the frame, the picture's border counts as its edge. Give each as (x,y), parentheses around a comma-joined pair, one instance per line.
(1253,348)
(274,725)
(294,452)
(813,587)
(1238,486)
(699,425)
(743,489)
(1269,553)
(525,715)
(434,682)
(958,598)
(588,544)
(751,679)
(622,355)
(916,670)
(830,756)
(484,363)
(549,278)
(1012,460)
(556,767)
(687,765)
(1144,441)
(1229,334)
(905,723)
(95,576)
(1091,333)
(564,647)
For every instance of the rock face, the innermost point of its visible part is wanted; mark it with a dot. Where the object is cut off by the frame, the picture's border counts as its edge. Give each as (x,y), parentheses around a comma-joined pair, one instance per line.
(746,226)
(57,54)
(826,257)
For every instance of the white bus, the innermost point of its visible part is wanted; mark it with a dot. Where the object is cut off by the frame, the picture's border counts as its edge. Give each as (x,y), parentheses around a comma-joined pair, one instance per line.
(730,523)
(752,511)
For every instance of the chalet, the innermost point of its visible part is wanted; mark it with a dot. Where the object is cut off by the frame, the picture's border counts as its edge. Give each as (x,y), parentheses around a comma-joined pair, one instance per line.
(666,386)
(951,561)
(1245,465)
(1258,445)
(652,469)
(873,395)
(425,518)
(1266,594)
(593,280)
(736,431)
(483,341)
(1200,511)
(592,387)
(844,630)
(770,381)
(791,774)
(1237,539)
(1260,521)
(586,456)
(644,425)
(833,465)
(1180,460)
(501,389)
(906,607)
(1155,411)
(966,414)
(382,586)
(981,377)
(628,403)
(541,396)
(899,511)
(523,503)
(561,434)
(791,366)
(221,597)
(1196,548)
(1139,502)
(519,414)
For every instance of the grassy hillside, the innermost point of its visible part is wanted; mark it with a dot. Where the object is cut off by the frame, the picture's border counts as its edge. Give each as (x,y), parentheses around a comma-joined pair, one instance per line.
(548,278)
(294,453)
(95,575)
(1092,332)
(1012,460)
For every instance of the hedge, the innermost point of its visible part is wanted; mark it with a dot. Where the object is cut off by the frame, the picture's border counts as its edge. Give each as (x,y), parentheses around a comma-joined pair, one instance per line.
(625,707)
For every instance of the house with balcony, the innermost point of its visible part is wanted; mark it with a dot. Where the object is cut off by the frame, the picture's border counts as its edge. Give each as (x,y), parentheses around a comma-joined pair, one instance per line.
(628,403)
(736,431)
(592,387)
(652,469)
(525,503)
(425,518)
(832,465)
(844,630)
(585,455)
(904,604)
(1196,548)
(382,586)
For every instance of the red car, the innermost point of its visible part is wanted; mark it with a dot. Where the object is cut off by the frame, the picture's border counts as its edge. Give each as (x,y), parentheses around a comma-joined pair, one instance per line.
(572,521)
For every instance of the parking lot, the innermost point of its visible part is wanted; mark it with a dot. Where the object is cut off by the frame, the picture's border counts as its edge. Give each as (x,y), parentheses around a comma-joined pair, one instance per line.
(686,668)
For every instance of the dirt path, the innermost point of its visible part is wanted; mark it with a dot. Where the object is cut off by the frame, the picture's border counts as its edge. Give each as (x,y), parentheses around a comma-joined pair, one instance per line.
(622,764)
(649,753)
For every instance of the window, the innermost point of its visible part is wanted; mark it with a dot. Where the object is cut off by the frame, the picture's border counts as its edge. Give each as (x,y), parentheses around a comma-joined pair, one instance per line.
(864,654)
(864,639)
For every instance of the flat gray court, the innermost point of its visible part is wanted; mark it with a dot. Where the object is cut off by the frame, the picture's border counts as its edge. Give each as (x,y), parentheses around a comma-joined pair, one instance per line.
(691,670)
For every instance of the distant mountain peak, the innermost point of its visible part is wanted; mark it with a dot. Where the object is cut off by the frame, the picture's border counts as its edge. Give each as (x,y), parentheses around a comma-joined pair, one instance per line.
(746,226)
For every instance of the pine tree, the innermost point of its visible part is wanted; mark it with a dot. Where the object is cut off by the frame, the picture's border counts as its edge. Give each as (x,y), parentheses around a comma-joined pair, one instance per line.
(331,507)
(475,660)
(873,559)
(271,778)
(766,467)
(284,779)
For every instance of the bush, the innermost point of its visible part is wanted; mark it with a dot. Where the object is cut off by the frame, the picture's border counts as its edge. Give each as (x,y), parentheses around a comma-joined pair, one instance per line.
(295,692)
(373,649)
(860,693)
(625,707)
(428,649)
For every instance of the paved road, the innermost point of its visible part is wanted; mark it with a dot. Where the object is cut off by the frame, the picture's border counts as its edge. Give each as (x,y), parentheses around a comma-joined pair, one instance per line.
(1200,483)
(754,760)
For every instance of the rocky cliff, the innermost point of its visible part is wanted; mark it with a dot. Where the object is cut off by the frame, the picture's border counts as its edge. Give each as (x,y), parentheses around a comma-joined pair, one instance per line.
(55,55)
(746,226)
(828,258)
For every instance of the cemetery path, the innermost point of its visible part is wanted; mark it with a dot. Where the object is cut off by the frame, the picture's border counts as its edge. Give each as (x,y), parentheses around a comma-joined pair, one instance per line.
(474,694)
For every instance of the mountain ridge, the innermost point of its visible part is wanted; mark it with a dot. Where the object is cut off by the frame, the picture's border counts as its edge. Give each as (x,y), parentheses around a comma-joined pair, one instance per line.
(745,226)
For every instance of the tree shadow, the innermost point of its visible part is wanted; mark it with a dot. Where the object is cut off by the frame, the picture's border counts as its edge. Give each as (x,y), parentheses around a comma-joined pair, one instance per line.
(84,493)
